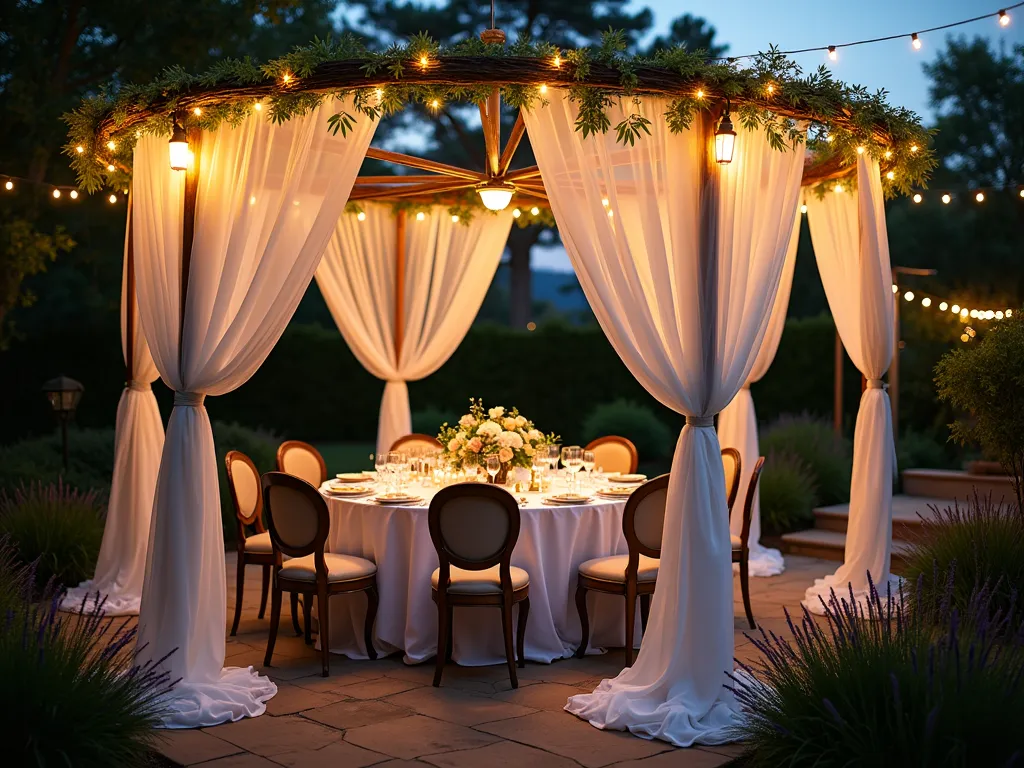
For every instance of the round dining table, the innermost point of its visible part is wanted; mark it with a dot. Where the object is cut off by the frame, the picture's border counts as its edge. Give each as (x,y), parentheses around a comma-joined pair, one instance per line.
(553,541)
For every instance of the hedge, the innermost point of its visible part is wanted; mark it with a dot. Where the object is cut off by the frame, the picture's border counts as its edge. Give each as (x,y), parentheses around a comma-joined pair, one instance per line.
(311,387)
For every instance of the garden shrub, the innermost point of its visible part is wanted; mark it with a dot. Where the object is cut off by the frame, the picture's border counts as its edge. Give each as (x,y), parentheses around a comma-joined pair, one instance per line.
(428,421)
(74,695)
(788,493)
(652,438)
(985,381)
(260,445)
(828,458)
(884,688)
(40,460)
(979,543)
(920,450)
(56,527)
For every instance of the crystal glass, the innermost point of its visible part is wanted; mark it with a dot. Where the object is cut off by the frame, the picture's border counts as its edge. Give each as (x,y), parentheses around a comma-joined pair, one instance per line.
(540,464)
(396,462)
(493,467)
(574,463)
(588,464)
(380,463)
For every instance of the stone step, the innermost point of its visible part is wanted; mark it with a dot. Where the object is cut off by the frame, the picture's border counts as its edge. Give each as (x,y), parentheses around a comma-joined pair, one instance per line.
(906,515)
(831,545)
(954,484)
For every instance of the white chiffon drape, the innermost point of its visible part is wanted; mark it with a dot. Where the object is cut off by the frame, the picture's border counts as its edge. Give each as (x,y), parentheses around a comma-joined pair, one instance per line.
(852,250)
(448,267)
(138,443)
(737,424)
(268,198)
(681,271)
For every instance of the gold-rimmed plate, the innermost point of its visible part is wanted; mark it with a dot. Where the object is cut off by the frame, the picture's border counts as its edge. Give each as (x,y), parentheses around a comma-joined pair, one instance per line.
(624,478)
(349,490)
(567,499)
(397,499)
(352,477)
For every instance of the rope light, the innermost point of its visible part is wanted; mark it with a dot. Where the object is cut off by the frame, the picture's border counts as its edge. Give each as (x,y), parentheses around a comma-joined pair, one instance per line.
(962,311)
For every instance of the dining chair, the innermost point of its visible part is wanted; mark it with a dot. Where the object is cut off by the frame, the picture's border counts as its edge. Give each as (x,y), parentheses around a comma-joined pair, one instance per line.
(732,464)
(416,440)
(614,454)
(299,526)
(631,575)
(255,548)
(302,460)
(740,548)
(474,528)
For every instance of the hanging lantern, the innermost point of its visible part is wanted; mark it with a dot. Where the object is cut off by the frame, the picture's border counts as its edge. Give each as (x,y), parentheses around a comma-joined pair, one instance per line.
(495,195)
(178,147)
(725,139)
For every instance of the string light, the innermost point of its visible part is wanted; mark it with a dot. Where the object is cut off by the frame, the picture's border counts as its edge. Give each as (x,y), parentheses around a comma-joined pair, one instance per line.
(803,208)
(830,138)
(963,313)
(111,146)
(435,104)
(543,89)
(926,302)
(890,175)
(955,309)
(946,199)
(420,216)
(557,61)
(424,62)
(455,218)
(610,213)
(700,94)
(110,168)
(197,111)
(112,199)
(9,185)
(56,194)
(257,106)
(895,288)
(535,210)
(832,53)
(286,78)
(914,148)
(909,295)
(79,149)
(888,154)
(860,150)
(980,197)
(915,42)
(770,88)
(361,216)
(604,201)
(838,188)
(516,213)
(917,197)
(73,194)
(943,306)
(1004,18)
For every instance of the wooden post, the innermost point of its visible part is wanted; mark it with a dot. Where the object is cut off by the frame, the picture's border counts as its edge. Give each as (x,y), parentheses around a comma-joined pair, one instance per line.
(490,116)
(837,394)
(188,227)
(894,366)
(399,282)
(129,301)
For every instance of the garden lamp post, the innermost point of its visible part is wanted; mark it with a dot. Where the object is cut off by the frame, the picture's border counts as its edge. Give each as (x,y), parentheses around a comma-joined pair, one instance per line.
(64,394)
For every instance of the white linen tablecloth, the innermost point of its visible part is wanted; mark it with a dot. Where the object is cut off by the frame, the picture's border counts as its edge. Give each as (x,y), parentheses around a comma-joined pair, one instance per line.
(553,541)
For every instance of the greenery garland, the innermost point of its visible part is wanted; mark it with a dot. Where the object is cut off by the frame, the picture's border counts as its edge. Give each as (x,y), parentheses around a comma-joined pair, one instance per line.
(772,94)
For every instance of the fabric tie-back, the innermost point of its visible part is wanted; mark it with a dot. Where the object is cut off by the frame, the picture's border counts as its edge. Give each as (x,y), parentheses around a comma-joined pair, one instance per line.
(138,443)
(681,271)
(268,197)
(448,267)
(852,250)
(737,424)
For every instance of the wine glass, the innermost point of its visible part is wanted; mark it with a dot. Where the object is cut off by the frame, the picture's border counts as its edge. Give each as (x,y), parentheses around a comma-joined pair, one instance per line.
(380,463)
(540,464)
(395,462)
(574,465)
(493,467)
(588,464)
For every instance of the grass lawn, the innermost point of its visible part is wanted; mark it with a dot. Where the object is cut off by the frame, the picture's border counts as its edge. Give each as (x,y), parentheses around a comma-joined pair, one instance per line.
(346,457)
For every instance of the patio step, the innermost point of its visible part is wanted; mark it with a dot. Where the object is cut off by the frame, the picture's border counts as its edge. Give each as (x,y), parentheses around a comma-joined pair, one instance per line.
(831,545)
(953,484)
(906,515)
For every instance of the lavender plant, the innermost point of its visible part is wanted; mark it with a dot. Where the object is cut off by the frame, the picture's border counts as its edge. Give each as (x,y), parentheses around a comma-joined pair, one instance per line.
(72,691)
(882,687)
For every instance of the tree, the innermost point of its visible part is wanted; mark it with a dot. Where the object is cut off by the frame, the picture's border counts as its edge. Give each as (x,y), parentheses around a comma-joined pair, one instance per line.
(693,33)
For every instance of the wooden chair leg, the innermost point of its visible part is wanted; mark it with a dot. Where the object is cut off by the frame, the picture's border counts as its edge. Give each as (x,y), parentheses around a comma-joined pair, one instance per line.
(524,616)
(372,601)
(266,590)
(442,638)
(275,619)
(239,591)
(323,607)
(630,620)
(745,589)
(645,613)
(449,650)
(581,609)
(295,613)
(307,616)
(510,654)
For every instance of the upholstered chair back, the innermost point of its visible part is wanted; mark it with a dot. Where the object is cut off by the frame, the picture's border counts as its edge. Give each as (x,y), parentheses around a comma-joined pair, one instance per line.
(298,516)
(644,517)
(473,525)
(302,460)
(732,464)
(244,481)
(416,442)
(614,454)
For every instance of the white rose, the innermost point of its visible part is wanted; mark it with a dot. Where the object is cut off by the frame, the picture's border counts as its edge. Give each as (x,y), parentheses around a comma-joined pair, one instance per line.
(467,421)
(453,445)
(520,421)
(509,424)
(496,412)
(534,435)
(489,429)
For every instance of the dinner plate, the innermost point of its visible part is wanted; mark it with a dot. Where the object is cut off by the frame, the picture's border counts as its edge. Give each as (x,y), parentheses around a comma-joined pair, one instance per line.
(353,477)
(620,492)
(566,499)
(627,478)
(349,490)
(396,499)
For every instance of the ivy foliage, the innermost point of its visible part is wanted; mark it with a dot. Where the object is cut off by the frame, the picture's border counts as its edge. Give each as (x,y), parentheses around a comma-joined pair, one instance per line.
(771,93)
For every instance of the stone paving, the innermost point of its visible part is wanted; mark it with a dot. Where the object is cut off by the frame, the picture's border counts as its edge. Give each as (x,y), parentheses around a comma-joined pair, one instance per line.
(386,714)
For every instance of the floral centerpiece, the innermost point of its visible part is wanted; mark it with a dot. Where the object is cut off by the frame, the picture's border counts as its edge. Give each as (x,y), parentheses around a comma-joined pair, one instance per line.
(492,432)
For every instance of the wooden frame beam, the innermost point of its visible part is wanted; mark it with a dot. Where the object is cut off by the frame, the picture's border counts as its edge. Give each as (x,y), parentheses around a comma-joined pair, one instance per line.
(371,193)
(518,131)
(410,179)
(424,165)
(490,118)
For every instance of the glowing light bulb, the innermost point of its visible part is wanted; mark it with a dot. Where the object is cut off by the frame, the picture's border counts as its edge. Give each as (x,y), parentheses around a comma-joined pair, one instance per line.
(895,288)
(495,195)
(964,337)
(557,61)
(832,53)
(197,111)
(890,175)
(860,150)
(252,200)
(990,315)
(1022,193)
(516,213)
(455,218)
(1004,18)
(112,199)
(257,106)
(926,302)
(838,188)
(424,61)
(888,154)
(111,146)
(435,104)
(543,89)
(915,41)
(973,313)
(420,216)
(73,194)
(980,197)
(535,210)
(914,148)
(955,309)
(9,185)
(79,149)
(770,88)
(611,213)
(604,201)
(917,198)
(830,138)
(56,194)
(286,78)
(946,199)
(1009,313)
(909,295)
(803,208)
(361,216)
(999,315)
(110,168)
(943,306)
(379,94)
(700,94)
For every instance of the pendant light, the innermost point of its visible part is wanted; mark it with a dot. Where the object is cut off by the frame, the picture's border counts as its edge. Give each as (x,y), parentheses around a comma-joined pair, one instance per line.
(495,195)
(178,147)
(725,138)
